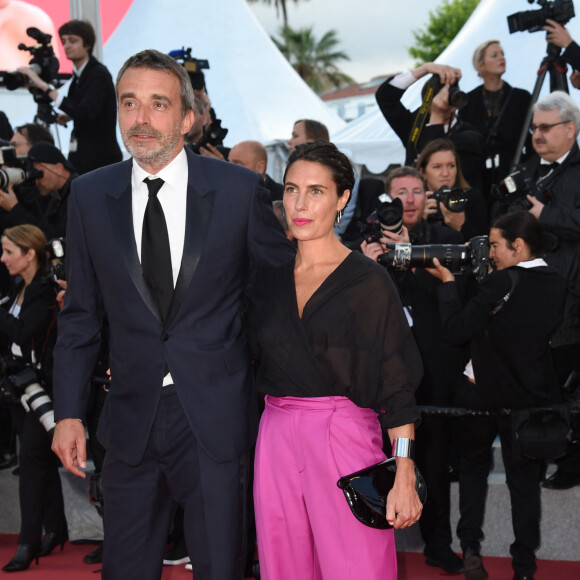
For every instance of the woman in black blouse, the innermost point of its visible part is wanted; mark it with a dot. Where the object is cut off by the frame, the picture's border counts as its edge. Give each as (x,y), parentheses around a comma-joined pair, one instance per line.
(508,324)
(497,111)
(440,165)
(25,324)
(338,362)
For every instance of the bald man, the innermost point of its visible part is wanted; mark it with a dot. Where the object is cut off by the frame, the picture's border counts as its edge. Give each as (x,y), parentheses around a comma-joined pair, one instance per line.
(253,156)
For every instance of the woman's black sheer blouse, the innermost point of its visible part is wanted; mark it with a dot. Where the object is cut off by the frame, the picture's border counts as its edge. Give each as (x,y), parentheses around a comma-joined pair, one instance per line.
(353,340)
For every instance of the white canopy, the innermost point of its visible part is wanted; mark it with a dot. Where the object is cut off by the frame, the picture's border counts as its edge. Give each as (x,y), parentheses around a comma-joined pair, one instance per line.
(370,140)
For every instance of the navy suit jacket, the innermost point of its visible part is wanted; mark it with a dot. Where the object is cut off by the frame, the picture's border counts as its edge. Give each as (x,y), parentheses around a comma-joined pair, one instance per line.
(229,225)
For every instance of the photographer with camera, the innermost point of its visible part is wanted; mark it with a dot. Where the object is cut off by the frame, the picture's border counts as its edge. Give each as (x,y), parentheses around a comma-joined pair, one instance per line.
(442,363)
(56,175)
(497,110)
(555,172)
(559,36)
(451,201)
(511,368)
(436,118)
(88,99)
(27,337)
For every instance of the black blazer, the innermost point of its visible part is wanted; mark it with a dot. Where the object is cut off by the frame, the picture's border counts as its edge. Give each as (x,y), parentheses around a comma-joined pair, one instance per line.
(467,140)
(505,138)
(37,316)
(229,224)
(93,108)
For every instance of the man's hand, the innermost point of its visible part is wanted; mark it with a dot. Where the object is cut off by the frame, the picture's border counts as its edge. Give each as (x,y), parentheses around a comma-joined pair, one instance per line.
(63,119)
(8,198)
(211,151)
(60,294)
(447,74)
(575,79)
(440,272)
(537,206)
(69,443)
(372,250)
(35,80)
(557,34)
(391,238)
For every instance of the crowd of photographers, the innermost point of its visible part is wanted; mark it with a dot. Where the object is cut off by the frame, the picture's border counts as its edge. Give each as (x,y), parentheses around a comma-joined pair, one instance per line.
(456,185)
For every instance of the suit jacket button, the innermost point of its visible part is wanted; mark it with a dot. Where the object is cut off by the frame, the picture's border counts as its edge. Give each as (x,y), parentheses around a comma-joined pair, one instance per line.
(165,338)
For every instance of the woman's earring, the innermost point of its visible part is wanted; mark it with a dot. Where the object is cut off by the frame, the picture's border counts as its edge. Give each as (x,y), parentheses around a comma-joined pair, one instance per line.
(339,215)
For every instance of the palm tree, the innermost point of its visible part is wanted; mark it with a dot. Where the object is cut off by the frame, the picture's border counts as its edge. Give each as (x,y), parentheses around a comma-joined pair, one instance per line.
(314,60)
(280,5)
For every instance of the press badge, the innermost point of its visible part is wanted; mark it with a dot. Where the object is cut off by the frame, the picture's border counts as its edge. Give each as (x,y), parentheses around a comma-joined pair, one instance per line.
(492,162)
(73,145)
(408,316)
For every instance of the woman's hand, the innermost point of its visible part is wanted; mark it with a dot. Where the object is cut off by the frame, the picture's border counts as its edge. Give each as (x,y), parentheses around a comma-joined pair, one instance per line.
(372,250)
(440,272)
(403,504)
(430,207)
(452,219)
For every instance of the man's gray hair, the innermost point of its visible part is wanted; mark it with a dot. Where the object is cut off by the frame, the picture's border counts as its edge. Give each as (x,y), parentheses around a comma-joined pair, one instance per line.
(561,102)
(156,60)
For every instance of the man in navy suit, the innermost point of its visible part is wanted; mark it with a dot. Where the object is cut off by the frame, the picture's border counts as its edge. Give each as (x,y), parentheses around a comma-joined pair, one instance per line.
(179,419)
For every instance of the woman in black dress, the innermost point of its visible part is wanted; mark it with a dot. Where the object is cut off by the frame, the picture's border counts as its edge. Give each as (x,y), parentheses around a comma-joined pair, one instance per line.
(338,362)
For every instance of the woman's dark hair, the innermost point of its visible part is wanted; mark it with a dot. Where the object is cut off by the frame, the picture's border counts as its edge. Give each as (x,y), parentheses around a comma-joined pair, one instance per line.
(29,237)
(80,28)
(521,224)
(436,146)
(326,154)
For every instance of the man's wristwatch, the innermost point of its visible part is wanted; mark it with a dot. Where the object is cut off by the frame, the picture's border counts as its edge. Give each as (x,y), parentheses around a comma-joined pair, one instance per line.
(49,88)
(403,447)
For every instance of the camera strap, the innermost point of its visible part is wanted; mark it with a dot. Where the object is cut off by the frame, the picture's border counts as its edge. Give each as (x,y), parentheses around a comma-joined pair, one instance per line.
(421,116)
(493,133)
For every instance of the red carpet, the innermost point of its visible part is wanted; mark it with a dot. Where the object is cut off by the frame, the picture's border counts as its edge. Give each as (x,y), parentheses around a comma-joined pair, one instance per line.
(68,565)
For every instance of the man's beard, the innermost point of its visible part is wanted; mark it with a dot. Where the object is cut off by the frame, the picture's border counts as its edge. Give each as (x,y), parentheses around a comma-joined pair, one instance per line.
(162,151)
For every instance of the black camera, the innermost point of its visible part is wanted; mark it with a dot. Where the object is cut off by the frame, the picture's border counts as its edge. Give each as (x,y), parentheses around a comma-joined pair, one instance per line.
(457,98)
(55,253)
(512,191)
(193,66)
(387,217)
(453,198)
(214,134)
(458,258)
(45,64)
(561,11)
(15,170)
(20,383)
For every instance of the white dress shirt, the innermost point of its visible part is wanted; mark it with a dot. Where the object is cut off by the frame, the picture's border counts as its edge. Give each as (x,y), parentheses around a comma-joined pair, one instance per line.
(173,199)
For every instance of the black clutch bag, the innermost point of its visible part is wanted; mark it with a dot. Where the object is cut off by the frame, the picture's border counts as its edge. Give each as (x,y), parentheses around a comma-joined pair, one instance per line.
(366,492)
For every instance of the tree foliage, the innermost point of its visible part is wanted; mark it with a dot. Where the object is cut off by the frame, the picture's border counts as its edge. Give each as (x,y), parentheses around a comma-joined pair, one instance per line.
(314,60)
(444,22)
(280,7)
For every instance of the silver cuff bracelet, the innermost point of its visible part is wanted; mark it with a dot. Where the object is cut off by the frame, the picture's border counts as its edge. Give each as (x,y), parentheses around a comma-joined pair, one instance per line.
(403,447)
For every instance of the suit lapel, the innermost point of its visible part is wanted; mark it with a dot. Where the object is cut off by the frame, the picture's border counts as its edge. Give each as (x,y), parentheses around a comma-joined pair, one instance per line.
(121,215)
(200,201)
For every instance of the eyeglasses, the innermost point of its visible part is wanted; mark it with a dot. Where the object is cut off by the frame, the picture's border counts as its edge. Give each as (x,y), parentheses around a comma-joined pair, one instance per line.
(545,127)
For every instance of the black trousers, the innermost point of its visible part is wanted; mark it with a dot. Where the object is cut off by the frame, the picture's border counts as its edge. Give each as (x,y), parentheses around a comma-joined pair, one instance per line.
(40,491)
(522,476)
(434,441)
(141,502)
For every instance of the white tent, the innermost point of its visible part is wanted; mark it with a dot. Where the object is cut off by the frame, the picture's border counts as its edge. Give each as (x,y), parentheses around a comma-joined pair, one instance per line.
(369,139)
(254,90)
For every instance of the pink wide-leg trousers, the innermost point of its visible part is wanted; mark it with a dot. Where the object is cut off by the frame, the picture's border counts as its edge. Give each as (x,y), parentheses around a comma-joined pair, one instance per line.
(306,530)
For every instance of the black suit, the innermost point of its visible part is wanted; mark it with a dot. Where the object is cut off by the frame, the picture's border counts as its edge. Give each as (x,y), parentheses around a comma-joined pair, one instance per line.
(92,105)
(467,140)
(210,407)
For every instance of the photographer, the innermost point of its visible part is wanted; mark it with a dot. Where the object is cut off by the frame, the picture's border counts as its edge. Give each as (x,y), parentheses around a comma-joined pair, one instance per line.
(27,335)
(556,172)
(55,181)
(440,166)
(441,121)
(442,362)
(88,99)
(497,111)
(511,368)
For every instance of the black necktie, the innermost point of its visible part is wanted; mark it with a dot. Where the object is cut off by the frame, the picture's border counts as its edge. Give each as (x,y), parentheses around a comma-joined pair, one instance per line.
(545,168)
(73,85)
(155,251)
